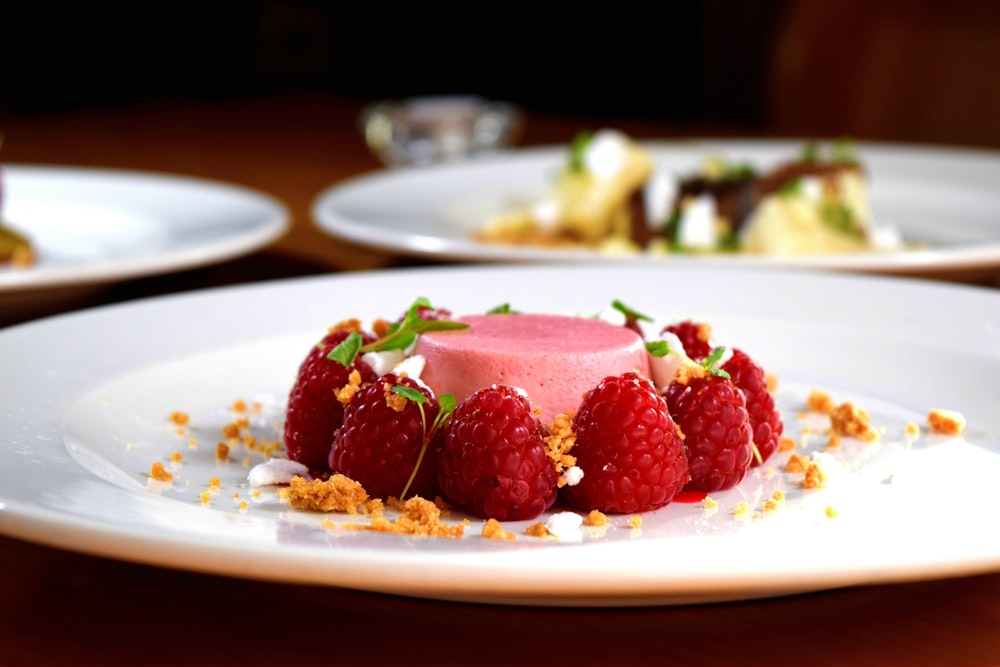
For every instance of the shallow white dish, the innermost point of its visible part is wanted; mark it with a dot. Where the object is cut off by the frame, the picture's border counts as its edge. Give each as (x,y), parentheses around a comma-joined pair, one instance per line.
(943,196)
(85,401)
(91,225)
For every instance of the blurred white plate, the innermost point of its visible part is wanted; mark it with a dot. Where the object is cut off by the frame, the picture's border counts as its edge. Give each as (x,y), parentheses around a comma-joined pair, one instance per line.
(85,400)
(92,225)
(946,197)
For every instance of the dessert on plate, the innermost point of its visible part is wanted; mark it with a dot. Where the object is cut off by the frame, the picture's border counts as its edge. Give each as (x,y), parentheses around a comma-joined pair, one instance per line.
(505,415)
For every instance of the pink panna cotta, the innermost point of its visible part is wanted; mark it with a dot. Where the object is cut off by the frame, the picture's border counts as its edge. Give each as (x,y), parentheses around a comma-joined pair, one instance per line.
(555,359)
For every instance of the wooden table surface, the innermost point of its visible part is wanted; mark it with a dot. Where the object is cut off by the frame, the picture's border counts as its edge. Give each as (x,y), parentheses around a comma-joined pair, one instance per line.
(58,607)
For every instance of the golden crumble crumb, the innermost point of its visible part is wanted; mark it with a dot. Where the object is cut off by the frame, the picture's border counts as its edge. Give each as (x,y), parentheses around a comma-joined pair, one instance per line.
(912,429)
(850,420)
(786,444)
(239,405)
(393,401)
(327,523)
(814,478)
(709,503)
(192,443)
(770,505)
(336,494)
(373,507)
(180,418)
(703,332)
(236,496)
(380,327)
(796,463)
(353,324)
(231,431)
(159,473)
(772,382)
(537,530)
(206,497)
(492,530)
(221,451)
(830,511)
(256,494)
(741,509)
(596,518)
(244,506)
(689,370)
(833,439)
(778,495)
(421,517)
(635,521)
(246,462)
(946,422)
(820,401)
(353,386)
(560,440)
(176,457)
(214,483)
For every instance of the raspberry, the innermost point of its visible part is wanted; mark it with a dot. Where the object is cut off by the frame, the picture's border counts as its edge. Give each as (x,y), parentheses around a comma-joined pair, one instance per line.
(712,415)
(765,419)
(314,413)
(493,460)
(696,337)
(628,448)
(383,437)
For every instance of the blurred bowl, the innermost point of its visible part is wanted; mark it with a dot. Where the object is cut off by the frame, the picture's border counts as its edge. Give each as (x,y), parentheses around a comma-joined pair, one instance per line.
(425,130)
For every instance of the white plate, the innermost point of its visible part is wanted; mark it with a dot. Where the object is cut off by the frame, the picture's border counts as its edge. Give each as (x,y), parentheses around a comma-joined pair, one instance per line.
(85,399)
(945,197)
(93,225)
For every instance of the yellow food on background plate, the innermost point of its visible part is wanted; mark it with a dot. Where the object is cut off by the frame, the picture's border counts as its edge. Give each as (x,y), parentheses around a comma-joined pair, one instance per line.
(590,203)
(610,196)
(15,248)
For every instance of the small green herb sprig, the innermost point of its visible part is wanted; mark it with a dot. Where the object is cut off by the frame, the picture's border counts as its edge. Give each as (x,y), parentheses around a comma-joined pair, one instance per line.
(661,348)
(399,336)
(632,316)
(447,405)
(577,150)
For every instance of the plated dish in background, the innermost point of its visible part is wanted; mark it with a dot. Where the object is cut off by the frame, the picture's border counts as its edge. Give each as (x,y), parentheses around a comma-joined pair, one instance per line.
(90,225)
(932,210)
(611,196)
(82,459)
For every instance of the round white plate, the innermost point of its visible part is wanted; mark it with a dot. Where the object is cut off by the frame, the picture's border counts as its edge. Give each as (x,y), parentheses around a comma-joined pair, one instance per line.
(92,225)
(947,198)
(85,401)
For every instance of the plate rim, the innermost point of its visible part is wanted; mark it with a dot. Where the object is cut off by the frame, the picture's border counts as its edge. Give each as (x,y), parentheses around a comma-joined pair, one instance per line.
(275,222)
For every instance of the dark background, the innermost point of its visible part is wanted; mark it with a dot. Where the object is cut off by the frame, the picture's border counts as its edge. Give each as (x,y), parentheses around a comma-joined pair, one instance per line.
(923,70)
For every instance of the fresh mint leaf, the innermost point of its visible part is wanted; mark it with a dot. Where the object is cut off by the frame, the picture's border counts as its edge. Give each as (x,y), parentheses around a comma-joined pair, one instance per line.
(347,350)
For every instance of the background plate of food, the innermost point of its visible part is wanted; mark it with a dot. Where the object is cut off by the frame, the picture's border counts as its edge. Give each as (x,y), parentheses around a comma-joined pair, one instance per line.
(69,226)
(832,204)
